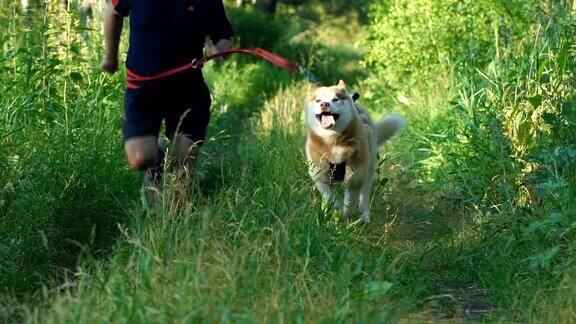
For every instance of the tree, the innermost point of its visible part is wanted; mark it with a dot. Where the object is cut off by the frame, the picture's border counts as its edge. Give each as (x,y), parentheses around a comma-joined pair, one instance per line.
(267,7)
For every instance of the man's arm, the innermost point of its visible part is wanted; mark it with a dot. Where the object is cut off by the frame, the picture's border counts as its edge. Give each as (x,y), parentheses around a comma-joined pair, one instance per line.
(112,30)
(219,30)
(221,45)
(224,44)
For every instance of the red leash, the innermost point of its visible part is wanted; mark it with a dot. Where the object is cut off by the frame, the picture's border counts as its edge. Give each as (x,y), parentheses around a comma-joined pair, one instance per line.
(268,56)
(199,63)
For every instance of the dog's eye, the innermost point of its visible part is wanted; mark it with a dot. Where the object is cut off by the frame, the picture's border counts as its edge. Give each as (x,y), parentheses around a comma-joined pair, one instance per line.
(318,101)
(335,99)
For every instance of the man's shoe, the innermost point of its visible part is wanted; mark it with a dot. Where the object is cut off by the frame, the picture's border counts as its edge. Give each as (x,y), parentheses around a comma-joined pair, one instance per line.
(153,176)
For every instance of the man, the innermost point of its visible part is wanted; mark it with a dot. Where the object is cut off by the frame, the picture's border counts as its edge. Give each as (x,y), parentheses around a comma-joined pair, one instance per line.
(164,35)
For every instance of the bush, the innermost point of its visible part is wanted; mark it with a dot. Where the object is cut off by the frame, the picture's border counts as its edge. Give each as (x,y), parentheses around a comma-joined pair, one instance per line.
(505,70)
(63,175)
(410,42)
(254,29)
(533,101)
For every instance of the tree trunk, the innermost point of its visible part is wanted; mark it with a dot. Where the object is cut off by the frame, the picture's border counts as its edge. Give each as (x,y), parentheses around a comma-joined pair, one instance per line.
(267,7)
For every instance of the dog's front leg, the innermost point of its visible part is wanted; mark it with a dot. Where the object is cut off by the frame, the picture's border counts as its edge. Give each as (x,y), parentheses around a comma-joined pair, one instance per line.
(325,190)
(365,202)
(319,172)
(329,200)
(365,199)
(350,201)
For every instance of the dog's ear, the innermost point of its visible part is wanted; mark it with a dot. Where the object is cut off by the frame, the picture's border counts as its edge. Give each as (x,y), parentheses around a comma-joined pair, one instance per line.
(313,86)
(341,84)
(355,96)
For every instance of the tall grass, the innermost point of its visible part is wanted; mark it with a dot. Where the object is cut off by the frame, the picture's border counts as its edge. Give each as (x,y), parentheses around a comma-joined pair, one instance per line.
(64,184)
(506,140)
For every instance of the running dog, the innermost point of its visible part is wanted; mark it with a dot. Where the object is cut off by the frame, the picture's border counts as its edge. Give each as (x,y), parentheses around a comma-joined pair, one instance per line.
(342,145)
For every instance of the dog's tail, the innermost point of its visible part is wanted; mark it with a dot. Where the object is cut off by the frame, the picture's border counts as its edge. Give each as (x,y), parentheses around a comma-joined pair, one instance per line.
(388,127)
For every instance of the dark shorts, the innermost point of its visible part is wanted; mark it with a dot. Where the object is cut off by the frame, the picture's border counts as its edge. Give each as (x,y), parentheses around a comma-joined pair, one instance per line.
(181,100)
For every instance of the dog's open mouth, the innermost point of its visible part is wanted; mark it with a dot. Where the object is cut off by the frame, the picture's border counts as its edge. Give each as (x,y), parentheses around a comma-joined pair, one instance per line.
(327,119)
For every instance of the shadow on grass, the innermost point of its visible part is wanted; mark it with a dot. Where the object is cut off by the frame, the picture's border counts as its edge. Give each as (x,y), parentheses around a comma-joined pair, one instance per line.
(67,201)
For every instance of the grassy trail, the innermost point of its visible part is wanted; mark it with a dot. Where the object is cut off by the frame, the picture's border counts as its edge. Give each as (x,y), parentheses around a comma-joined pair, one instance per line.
(255,244)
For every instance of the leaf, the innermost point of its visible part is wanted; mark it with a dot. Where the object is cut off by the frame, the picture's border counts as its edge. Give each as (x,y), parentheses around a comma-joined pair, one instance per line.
(75,48)
(357,270)
(544,258)
(52,31)
(536,101)
(518,120)
(76,76)
(542,68)
(9,54)
(549,118)
(377,289)
(84,28)
(383,182)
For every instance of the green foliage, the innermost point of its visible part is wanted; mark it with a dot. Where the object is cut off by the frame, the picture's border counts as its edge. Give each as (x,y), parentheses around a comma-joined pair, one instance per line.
(344,7)
(530,102)
(502,92)
(62,184)
(516,171)
(254,29)
(410,42)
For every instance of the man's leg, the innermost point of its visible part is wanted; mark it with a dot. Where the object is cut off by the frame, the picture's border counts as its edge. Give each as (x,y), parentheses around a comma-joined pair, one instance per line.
(185,152)
(183,159)
(142,152)
(187,124)
(187,114)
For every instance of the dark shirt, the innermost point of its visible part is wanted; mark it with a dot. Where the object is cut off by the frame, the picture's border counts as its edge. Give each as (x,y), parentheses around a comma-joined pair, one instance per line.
(165,34)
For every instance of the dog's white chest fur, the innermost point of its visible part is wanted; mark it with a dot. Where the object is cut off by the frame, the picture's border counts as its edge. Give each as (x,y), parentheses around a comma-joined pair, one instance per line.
(339,154)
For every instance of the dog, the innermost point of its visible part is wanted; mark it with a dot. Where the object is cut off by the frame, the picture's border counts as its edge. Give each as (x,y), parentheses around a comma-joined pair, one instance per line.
(342,144)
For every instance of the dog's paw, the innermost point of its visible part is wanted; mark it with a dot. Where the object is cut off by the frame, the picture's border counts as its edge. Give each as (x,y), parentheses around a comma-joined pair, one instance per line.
(338,204)
(347,215)
(328,205)
(336,214)
(330,210)
(365,218)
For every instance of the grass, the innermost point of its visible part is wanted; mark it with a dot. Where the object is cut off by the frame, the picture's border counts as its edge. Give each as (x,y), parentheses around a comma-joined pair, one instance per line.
(453,237)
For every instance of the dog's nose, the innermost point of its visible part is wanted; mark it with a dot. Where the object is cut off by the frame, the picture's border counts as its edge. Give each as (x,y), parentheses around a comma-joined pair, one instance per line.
(324,106)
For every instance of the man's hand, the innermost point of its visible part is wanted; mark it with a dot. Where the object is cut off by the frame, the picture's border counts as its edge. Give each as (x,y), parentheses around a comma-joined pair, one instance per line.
(109,64)
(221,45)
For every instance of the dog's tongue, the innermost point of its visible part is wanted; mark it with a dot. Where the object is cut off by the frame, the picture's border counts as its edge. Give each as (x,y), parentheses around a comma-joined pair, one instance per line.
(327,121)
